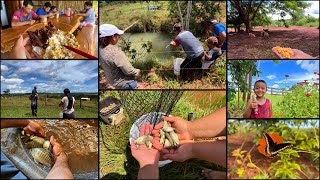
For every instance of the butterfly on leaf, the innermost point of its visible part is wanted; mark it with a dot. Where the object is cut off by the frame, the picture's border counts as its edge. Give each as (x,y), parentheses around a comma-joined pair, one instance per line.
(272,144)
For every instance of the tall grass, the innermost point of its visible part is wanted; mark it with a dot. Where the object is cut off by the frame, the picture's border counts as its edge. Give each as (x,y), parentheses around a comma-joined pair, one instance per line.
(19,107)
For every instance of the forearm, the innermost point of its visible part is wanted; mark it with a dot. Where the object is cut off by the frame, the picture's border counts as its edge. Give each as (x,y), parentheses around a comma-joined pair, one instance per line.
(149,171)
(222,38)
(212,151)
(60,169)
(209,126)
(207,57)
(14,23)
(13,123)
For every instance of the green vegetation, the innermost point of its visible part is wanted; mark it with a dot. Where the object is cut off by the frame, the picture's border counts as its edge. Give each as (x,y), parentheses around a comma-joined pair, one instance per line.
(248,163)
(18,106)
(116,161)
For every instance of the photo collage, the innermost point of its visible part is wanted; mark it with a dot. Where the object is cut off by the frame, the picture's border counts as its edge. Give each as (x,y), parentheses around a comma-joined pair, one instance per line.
(106,89)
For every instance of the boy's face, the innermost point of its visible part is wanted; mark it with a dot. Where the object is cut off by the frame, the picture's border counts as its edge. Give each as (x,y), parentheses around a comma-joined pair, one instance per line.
(54,10)
(86,7)
(210,46)
(46,9)
(260,89)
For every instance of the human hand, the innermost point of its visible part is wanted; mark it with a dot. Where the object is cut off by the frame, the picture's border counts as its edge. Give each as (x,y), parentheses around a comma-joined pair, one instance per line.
(182,153)
(32,22)
(56,147)
(34,128)
(23,49)
(297,54)
(142,154)
(254,105)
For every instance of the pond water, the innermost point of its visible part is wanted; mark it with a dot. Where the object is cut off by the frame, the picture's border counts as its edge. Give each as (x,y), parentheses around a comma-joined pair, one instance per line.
(159,43)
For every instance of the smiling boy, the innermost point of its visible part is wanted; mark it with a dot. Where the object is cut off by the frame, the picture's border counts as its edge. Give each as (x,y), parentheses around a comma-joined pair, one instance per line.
(263,104)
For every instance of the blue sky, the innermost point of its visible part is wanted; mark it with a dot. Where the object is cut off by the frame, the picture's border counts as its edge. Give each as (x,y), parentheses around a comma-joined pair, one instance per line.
(298,71)
(49,76)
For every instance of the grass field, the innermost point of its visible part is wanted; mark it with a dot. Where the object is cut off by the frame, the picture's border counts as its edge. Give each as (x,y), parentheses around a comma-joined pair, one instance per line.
(116,161)
(19,107)
(235,113)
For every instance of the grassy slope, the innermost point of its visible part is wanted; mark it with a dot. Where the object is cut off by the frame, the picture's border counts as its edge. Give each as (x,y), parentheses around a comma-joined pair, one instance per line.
(115,156)
(112,13)
(19,107)
(238,114)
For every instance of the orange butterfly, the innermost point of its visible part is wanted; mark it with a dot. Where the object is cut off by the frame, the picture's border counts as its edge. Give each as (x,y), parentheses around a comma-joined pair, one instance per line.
(272,144)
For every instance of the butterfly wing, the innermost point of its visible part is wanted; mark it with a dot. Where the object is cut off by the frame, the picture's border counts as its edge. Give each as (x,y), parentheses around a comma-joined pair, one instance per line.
(280,147)
(270,144)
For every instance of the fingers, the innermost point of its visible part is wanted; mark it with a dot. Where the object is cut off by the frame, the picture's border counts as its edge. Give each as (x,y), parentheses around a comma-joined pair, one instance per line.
(25,40)
(171,119)
(148,128)
(41,132)
(133,145)
(142,129)
(158,126)
(156,144)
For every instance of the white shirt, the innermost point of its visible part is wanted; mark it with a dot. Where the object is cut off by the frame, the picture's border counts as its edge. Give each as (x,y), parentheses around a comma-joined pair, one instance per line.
(65,105)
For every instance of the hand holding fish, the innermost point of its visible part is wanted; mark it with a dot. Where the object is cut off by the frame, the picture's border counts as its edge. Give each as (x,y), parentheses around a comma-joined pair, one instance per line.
(34,128)
(143,154)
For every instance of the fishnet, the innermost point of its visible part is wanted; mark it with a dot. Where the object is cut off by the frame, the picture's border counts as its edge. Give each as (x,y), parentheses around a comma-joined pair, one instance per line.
(140,102)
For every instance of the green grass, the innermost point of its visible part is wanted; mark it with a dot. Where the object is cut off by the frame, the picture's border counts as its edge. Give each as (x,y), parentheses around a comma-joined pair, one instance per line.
(116,161)
(126,12)
(235,113)
(19,107)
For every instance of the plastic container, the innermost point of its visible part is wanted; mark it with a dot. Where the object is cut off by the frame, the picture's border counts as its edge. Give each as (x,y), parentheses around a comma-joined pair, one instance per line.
(154,118)
(176,65)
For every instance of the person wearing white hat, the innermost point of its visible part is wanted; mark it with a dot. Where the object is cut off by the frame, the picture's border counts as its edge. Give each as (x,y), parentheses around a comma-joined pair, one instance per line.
(219,31)
(115,64)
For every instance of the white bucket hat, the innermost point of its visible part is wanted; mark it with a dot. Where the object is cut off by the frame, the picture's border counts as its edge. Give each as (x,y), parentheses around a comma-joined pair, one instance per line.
(109,30)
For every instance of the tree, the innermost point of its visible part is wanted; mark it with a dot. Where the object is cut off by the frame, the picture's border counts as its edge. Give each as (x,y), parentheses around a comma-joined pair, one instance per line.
(7,91)
(249,10)
(202,11)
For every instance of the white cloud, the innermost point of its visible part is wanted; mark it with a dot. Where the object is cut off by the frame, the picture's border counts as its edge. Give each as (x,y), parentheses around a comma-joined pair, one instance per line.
(309,65)
(33,78)
(4,68)
(275,86)
(13,80)
(24,70)
(271,76)
(2,78)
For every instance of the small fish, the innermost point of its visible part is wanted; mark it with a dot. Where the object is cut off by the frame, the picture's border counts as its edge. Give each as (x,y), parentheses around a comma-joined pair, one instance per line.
(175,138)
(141,140)
(169,138)
(167,144)
(37,139)
(42,156)
(33,144)
(47,146)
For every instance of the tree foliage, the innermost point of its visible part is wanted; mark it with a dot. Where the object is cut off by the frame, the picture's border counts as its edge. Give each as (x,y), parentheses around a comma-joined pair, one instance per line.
(250,10)
(201,12)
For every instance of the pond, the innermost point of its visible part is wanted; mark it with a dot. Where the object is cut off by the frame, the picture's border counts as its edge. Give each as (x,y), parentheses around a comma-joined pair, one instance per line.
(159,44)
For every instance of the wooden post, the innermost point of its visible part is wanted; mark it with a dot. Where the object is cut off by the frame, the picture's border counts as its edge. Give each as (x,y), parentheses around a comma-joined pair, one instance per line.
(188,14)
(80,103)
(238,98)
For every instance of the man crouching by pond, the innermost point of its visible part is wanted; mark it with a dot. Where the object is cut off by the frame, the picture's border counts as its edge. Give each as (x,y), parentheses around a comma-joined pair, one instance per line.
(115,64)
(191,46)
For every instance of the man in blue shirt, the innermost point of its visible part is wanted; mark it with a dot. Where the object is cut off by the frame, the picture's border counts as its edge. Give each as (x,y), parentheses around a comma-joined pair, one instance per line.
(219,31)
(45,11)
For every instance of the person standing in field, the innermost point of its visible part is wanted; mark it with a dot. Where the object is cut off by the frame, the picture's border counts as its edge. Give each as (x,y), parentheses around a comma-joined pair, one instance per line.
(34,101)
(259,106)
(67,104)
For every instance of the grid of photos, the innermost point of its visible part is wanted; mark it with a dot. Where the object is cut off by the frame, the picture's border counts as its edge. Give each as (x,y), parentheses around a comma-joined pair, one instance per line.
(106,89)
